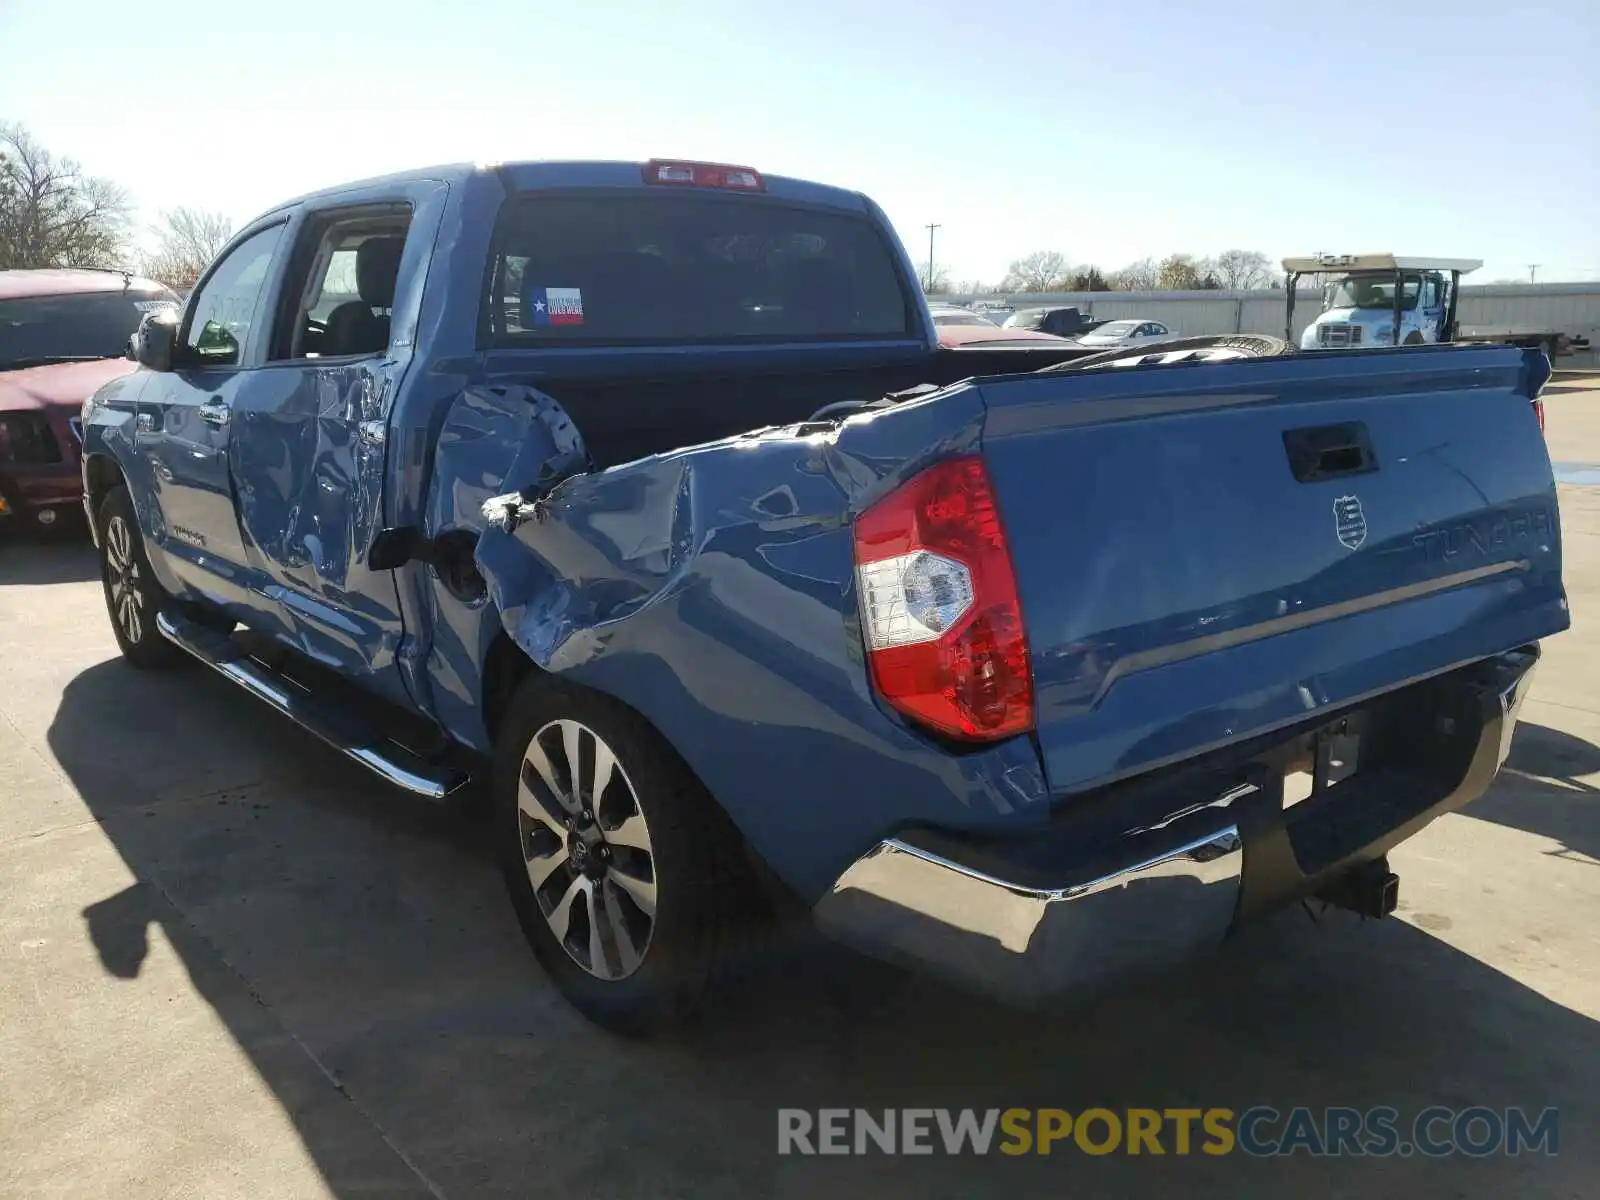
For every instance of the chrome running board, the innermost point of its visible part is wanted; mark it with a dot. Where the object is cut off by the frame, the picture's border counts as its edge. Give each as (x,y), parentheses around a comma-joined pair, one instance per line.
(354,738)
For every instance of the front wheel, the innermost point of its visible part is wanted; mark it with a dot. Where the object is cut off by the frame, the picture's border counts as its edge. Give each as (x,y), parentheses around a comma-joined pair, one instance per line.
(624,873)
(133,597)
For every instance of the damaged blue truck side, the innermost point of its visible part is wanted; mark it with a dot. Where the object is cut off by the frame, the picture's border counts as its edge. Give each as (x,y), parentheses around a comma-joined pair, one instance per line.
(646,491)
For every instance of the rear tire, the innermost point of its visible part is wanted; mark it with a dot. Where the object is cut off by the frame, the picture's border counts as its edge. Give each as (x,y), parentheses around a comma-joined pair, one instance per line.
(133,597)
(1209,348)
(629,895)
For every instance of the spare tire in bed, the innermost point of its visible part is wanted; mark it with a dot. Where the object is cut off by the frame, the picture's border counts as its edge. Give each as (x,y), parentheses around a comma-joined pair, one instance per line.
(1211,348)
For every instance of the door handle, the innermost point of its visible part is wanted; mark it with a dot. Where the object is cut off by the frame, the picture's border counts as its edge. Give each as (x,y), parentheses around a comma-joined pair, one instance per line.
(214,412)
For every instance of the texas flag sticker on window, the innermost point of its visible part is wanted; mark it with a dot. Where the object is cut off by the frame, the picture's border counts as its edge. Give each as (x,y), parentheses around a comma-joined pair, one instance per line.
(554,306)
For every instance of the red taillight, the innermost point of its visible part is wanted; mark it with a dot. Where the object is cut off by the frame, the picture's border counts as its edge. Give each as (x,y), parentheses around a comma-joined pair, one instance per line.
(1538,411)
(705,175)
(939,608)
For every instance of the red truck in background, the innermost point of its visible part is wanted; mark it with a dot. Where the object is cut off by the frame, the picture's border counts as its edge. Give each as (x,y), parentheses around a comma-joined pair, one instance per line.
(63,333)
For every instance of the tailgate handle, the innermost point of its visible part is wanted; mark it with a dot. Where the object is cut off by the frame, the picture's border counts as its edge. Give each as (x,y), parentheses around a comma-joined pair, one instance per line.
(1329,451)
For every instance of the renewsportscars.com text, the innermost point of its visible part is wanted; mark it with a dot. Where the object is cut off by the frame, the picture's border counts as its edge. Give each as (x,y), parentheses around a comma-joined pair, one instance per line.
(1261,1131)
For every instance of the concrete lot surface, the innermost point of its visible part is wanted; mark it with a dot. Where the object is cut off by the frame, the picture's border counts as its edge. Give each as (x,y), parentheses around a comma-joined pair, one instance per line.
(233,966)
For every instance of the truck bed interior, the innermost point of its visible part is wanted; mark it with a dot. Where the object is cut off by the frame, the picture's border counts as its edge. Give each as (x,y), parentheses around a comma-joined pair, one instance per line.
(627,418)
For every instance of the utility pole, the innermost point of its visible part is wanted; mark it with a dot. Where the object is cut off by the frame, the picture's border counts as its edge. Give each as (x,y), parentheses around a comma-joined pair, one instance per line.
(1533,267)
(930,229)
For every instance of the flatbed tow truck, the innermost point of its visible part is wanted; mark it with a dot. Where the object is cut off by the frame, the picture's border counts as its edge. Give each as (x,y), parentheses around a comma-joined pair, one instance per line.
(1394,300)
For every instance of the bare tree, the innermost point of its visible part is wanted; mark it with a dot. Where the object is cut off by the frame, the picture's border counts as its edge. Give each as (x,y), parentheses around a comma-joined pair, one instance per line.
(8,183)
(1041,271)
(1088,279)
(936,282)
(1141,276)
(186,241)
(1178,273)
(1242,269)
(51,213)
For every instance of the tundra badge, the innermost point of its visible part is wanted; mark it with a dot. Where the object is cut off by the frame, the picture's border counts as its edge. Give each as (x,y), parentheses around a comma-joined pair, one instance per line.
(1349,522)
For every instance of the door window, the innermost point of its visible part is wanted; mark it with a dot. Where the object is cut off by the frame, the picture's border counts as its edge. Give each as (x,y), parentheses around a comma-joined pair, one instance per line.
(226,306)
(342,282)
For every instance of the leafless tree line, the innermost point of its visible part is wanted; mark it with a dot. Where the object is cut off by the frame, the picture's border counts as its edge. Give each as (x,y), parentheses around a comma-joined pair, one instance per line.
(1052,271)
(53,214)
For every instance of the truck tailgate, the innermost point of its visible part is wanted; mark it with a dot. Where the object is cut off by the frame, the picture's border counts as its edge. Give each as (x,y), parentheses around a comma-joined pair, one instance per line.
(1206,552)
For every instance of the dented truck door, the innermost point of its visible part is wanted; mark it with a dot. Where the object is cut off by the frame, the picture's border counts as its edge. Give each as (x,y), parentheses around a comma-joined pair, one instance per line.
(312,438)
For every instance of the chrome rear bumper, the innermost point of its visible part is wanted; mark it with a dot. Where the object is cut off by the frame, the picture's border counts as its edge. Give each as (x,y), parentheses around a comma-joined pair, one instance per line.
(1159,895)
(906,903)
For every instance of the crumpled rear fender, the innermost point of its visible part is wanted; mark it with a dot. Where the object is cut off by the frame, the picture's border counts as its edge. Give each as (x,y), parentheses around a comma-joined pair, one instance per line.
(712,590)
(489,438)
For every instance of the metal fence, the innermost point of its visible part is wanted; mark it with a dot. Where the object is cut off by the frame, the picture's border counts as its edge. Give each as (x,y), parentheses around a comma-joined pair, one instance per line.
(1572,308)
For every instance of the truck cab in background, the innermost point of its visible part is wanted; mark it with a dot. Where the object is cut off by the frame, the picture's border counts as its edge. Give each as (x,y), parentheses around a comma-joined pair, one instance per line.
(1378,299)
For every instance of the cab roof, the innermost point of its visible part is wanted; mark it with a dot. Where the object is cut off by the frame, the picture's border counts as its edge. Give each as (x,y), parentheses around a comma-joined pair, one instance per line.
(553,175)
(1378,262)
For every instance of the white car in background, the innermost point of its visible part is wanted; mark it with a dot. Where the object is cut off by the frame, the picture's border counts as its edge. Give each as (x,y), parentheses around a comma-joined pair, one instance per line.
(1116,334)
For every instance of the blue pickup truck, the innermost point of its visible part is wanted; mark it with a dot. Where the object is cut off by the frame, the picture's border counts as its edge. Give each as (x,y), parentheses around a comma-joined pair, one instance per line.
(645,492)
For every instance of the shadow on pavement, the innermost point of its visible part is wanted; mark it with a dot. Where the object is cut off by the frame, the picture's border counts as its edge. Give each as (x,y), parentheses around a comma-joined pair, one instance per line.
(1550,797)
(1553,754)
(375,930)
(48,558)
(119,925)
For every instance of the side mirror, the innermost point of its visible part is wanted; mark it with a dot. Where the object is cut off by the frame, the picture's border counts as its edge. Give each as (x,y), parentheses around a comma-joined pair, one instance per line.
(153,342)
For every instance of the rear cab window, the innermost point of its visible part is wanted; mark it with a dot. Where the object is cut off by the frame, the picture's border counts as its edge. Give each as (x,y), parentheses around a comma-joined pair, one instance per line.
(653,268)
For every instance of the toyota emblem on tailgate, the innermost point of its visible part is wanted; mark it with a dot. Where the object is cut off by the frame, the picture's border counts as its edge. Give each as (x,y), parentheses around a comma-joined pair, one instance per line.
(1349,522)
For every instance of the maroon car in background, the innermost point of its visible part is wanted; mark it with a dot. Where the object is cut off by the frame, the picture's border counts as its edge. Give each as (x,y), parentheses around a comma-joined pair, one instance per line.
(959,326)
(63,333)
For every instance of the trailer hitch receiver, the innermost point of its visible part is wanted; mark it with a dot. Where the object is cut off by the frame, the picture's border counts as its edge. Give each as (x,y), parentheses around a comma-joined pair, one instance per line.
(1370,890)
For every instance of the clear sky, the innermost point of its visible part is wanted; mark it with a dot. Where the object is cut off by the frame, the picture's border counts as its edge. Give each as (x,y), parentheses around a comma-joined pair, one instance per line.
(1108,131)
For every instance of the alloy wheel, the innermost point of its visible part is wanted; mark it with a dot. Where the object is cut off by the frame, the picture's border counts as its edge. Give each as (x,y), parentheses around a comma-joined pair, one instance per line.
(124,584)
(587,849)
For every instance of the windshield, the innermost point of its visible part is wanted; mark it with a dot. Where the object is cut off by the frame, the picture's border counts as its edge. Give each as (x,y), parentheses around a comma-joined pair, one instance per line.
(1029,318)
(663,268)
(945,316)
(74,325)
(1115,328)
(1373,291)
